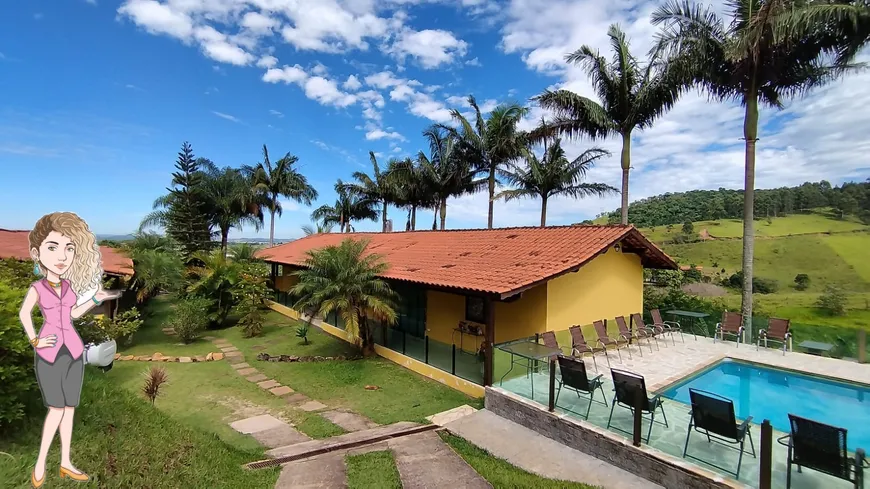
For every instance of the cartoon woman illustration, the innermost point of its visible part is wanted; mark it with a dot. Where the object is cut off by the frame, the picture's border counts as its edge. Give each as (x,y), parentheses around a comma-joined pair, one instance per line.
(65,252)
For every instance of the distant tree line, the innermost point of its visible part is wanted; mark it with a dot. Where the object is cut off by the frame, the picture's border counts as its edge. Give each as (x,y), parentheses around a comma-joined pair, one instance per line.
(849,199)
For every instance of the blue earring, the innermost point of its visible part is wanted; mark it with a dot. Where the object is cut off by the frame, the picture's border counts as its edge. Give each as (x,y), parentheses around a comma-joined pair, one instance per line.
(36,270)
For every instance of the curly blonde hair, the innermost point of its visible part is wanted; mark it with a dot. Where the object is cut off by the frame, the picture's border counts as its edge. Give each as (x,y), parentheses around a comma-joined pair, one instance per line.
(86,271)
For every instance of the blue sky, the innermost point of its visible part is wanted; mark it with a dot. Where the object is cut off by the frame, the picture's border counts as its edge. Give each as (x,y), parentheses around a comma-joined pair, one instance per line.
(99,95)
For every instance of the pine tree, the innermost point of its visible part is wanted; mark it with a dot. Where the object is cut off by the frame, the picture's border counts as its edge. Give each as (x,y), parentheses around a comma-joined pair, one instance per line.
(187,221)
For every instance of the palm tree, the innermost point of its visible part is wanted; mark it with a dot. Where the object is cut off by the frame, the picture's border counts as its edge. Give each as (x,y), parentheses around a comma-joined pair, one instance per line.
(244,252)
(771,50)
(632,96)
(348,207)
(447,173)
(413,190)
(155,272)
(216,278)
(344,279)
(378,188)
(552,175)
(316,228)
(278,180)
(231,200)
(490,143)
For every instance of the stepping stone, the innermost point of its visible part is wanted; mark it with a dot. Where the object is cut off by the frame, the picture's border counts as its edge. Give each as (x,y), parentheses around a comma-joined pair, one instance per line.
(222,342)
(257,423)
(247,371)
(425,461)
(209,338)
(296,398)
(185,359)
(324,471)
(217,356)
(445,417)
(281,390)
(312,406)
(257,378)
(269,384)
(281,436)
(229,349)
(235,360)
(241,365)
(350,421)
(234,354)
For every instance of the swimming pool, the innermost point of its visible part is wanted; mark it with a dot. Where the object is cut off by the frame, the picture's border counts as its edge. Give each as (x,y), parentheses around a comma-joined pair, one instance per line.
(768,393)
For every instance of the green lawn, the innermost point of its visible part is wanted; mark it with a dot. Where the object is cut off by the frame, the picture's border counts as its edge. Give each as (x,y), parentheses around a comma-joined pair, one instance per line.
(795,224)
(853,249)
(403,394)
(372,470)
(151,339)
(500,473)
(122,441)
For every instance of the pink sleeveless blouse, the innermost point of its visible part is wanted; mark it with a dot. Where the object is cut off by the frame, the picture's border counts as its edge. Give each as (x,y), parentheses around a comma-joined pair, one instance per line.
(57,313)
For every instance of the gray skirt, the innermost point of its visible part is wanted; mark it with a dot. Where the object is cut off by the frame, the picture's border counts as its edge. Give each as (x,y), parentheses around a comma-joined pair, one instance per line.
(60,382)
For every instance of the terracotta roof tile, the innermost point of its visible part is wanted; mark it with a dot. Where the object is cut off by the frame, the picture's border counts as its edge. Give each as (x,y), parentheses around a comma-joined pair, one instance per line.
(14,244)
(500,261)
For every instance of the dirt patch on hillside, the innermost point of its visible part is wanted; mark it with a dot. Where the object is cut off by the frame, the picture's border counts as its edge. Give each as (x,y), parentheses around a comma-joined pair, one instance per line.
(705,290)
(705,235)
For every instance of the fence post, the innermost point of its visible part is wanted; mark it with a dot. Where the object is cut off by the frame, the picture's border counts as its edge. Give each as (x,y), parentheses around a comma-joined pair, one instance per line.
(862,345)
(638,403)
(453,362)
(764,481)
(427,350)
(552,366)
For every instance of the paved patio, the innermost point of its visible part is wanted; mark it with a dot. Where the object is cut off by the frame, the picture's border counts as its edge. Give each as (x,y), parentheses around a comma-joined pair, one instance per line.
(673,362)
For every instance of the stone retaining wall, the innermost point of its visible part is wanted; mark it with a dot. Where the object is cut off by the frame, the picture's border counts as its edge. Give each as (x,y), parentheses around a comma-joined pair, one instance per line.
(654,466)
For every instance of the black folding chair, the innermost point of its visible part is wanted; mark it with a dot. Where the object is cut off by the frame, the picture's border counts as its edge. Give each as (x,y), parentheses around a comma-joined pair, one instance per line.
(713,415)
(822,447)
(627,387)
(574,378)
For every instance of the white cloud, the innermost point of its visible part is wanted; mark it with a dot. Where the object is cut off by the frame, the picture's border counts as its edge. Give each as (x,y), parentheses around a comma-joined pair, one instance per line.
(473,62)
(226,116)
(376,134)
(267,61)
(276,113)
(397,149)
(158,18)
(326,92)
(319,69)
(352,83)
(286,74)
(259,23)
(430,47)
(92,2)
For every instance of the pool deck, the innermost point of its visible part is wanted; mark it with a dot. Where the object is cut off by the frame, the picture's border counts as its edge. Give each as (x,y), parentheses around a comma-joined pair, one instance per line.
(671,363)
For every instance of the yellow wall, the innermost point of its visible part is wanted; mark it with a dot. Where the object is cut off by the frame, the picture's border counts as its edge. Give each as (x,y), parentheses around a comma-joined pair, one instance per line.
(284,283)
(610,285)
(521,318)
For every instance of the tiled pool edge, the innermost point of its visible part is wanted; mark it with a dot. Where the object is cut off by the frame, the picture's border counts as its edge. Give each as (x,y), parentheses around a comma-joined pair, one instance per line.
(643,461)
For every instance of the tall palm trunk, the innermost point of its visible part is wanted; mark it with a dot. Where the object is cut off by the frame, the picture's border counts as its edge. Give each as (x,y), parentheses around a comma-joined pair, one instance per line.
(413,218)
(626,167)
(750,134)
(225,234)
(272,208)
(384,218)
(543,211)
(435,217)
(491,195)
(443,212)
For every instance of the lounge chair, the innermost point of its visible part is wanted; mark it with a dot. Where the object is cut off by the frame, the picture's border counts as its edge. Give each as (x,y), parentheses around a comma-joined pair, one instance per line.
(822,447)
(637,334)
(651,331)
(627,386)
(574,377)
(732,325)
(777,330)
(579,346)
(666,326)
(601,331)
(713,415)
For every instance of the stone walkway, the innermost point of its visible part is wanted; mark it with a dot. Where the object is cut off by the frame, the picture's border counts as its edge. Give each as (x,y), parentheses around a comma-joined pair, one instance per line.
(540,455)
(426,462)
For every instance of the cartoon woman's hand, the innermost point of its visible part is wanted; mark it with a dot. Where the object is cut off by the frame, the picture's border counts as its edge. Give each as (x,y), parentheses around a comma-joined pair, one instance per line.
(46,341)
(101,295)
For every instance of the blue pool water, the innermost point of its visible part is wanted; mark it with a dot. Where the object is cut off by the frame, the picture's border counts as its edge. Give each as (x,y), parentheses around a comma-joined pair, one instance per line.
(767,393)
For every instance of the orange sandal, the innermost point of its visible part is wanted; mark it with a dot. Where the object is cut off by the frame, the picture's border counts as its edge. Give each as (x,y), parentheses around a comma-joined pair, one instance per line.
(36,484)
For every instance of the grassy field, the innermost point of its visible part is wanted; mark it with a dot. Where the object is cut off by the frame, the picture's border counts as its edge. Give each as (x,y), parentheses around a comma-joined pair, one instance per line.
(122,441)
(853,249)
(500,473)
(796,224)
(149,340)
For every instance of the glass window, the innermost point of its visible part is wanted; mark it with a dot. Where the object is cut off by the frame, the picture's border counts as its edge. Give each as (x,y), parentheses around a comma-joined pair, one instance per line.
(411,309)
(474,309)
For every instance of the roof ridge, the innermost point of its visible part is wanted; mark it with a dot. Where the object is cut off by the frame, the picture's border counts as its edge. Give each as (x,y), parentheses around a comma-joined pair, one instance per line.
(459,230)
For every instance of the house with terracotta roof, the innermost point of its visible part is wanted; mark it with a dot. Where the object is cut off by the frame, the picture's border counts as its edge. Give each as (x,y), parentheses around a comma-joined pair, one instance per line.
(15,244)
(462,291)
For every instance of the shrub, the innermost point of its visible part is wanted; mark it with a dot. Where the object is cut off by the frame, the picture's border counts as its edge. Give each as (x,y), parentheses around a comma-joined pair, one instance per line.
(764,285)
(252,322)
(688,228)
(692,275)
(190,317)
(97,330)
(682,239)
(17,382)
(17,274)
(801,281)
(154,379)
(833,300)
(302,332)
